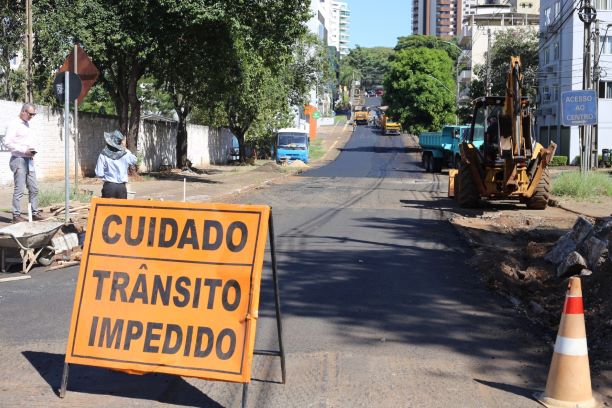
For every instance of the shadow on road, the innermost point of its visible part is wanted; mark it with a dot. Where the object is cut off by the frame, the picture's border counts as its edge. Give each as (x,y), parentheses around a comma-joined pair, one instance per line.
(403,279)
(96,380)
(512,389)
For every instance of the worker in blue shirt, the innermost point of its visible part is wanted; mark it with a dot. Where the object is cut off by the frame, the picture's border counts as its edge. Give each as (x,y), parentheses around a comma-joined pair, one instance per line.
(113,164)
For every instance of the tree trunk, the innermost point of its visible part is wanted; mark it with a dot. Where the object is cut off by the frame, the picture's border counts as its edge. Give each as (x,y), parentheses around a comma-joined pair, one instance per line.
(134,104)
(181,138)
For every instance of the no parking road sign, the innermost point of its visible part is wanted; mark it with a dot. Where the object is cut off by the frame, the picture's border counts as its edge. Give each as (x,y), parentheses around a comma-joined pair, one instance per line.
(579,108)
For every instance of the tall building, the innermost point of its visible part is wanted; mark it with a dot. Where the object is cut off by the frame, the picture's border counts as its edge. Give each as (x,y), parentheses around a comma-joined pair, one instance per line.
(339,27)
(561,69)
(440,18)
(485,19)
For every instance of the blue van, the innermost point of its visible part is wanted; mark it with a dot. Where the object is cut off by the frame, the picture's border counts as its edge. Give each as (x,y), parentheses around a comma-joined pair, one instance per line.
(292,144)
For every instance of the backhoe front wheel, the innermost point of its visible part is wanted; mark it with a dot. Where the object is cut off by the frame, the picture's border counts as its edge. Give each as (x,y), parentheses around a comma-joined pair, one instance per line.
(465,189)
(539,199)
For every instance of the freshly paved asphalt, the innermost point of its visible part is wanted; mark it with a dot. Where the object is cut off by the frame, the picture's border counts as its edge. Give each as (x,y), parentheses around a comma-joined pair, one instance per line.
(379,307)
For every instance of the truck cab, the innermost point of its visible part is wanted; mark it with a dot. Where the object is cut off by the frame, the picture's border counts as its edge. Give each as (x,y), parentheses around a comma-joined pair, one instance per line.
(292,144)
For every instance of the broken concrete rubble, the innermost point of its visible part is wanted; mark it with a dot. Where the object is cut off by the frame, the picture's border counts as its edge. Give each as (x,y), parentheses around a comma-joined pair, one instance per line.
(572,265)
(585,247)
(570,240)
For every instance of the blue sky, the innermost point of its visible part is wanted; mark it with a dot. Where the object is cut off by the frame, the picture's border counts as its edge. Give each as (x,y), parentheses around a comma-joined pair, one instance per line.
(379,23)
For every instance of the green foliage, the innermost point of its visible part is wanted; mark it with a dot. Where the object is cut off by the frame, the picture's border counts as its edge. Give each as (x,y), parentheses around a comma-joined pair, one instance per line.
(559,161)
(370,64)
(419,87)
(584,187)
(428,41)
(98,101)
(514,42)
(316,150)
(12,28)
(47,197)
(229,62)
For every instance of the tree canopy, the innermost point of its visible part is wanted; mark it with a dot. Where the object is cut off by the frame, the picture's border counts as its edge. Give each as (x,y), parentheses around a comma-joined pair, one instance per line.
(369,65)
(228,58)
(12,28)
(523,43)
(420,86)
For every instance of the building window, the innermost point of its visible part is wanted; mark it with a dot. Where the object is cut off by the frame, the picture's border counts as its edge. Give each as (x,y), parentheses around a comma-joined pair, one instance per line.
(546,56)
(605,89)
(606,45)
(556,51)
(555,95)
(546,93)
(547,17)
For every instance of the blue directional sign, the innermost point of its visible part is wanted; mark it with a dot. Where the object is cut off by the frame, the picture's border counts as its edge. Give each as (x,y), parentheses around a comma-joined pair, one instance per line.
(579,108)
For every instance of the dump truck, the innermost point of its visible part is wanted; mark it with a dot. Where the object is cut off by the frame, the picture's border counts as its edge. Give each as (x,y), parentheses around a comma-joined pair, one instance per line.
(510,164)
(441,149)
(387,125)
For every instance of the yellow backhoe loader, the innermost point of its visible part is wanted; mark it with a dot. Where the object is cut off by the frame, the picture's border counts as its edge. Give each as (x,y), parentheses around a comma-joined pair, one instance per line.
(510,164)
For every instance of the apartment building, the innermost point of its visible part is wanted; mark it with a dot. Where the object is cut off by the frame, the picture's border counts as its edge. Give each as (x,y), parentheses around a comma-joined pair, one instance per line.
(485,20)
(339,27)
(561,69)
(440,18)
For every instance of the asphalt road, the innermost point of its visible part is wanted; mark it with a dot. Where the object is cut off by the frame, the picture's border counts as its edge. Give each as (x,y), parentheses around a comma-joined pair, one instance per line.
(379,307)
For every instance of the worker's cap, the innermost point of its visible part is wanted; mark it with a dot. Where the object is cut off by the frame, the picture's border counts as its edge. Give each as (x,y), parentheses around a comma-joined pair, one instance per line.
(113,139)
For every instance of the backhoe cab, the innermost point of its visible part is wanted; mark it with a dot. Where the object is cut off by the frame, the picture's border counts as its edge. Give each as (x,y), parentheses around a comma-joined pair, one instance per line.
(510,164)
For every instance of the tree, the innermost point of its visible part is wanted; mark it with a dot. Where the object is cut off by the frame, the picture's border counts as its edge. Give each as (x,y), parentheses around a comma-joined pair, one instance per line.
(428,41)
(523,43)
(192,39)
(262,36)
(116,35)
(12,27)
(419,87)
(371,63)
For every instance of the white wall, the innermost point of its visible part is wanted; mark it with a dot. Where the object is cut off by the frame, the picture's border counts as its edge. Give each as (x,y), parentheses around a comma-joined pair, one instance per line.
(156,143)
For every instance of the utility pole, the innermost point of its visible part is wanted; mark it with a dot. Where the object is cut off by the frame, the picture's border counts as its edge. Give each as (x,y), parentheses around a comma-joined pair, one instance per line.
(488,81)
(596,75)
(587,15)
(29,46)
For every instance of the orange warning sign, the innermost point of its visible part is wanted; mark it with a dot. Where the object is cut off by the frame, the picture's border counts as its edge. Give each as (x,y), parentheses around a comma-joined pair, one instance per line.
(169,287)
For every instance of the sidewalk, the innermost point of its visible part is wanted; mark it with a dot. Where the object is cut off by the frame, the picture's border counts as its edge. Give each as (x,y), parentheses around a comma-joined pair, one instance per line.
(213,184)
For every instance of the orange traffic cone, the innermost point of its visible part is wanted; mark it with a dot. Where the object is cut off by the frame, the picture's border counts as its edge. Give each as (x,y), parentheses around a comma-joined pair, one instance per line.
(569,378)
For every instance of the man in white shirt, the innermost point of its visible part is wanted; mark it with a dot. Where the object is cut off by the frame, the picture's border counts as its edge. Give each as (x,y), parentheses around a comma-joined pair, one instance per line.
(113,164)
(20,141)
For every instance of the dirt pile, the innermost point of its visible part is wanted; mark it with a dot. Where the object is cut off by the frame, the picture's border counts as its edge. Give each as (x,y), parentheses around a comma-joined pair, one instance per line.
(528,259)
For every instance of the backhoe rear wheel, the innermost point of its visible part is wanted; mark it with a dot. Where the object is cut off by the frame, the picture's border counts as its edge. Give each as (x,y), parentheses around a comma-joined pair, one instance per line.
(465,190)
(539,199)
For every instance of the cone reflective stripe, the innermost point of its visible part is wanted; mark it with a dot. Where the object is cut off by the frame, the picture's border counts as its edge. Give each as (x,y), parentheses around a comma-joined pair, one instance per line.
(569,378)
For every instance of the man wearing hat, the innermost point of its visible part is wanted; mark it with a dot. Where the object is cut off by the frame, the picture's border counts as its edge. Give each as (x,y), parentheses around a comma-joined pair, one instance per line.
(112,166)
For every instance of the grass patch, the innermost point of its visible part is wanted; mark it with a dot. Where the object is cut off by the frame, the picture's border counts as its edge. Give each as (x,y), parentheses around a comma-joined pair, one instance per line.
(316,149)
(50,197)
(340,119)
(590,186)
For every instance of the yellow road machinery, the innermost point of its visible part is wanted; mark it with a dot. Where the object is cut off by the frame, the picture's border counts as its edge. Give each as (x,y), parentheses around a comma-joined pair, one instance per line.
(510,164)
(387,125)
(361,117)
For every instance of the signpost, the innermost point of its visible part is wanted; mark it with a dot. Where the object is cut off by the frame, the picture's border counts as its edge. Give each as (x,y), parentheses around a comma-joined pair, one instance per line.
(171,287)
(79,63)
(579,108)
(67,86)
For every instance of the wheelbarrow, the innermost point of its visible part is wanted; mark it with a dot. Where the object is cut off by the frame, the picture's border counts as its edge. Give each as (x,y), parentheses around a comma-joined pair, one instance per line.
(31,240)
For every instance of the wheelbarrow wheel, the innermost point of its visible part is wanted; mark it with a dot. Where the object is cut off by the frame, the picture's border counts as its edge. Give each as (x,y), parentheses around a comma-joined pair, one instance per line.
(45,258)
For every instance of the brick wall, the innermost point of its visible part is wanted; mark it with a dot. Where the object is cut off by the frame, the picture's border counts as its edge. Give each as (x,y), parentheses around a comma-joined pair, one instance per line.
(156,142)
